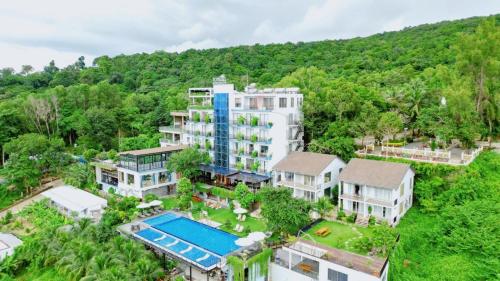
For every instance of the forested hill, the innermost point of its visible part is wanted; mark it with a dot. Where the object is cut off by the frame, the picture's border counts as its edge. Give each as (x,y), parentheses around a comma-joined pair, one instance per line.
(131,95)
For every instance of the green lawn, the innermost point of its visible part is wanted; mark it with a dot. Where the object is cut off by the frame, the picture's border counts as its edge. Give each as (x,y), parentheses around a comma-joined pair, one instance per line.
(342,236)
(169,203)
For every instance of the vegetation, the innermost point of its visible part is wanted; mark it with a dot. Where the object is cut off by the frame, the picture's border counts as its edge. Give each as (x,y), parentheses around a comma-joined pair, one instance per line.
(187,162)
(243,195)
(284,214)
(184,193)
(451,233)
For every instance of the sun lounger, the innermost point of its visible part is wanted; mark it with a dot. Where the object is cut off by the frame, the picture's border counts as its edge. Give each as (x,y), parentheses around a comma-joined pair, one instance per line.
(243,218)
(237,227)
(161,238)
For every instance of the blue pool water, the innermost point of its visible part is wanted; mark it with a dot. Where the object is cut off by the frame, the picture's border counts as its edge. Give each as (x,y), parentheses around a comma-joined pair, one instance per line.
(161,219)
(214,240)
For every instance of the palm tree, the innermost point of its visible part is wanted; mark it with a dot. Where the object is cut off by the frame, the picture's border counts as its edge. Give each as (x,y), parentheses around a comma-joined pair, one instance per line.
(147,270)
(323,206)
(76,260)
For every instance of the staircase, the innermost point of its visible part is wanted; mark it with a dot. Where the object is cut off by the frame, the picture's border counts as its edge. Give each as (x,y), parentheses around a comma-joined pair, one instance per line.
(363,221)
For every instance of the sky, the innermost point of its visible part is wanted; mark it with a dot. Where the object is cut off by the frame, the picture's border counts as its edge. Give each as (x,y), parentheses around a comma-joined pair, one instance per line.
(35,32)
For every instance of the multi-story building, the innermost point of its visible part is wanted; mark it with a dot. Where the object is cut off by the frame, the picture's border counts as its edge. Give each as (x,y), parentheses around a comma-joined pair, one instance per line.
(378,188)
(310,175)
(141,172)
(172,135)
(245,133)
(305,260)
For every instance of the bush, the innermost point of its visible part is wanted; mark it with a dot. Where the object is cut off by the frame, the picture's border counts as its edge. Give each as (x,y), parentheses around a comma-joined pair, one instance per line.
(196,117)
(340,214)
(254,121)
(90,154)
(7,218)
(241,120)
(351,218)
(371,221)
(150,197)
(255,154)
(253,138)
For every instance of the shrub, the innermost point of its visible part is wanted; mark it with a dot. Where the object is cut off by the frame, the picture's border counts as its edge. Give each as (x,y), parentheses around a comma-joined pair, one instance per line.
(7,218)
(208,144)
(241,120)
(196,117)
(351,218)
(255,154)
(150,197)
(371,220)
(239,166)
(89,154)
(197,145)
(255,166)
(241,151)
(340,214)
(239,136)
(207,119)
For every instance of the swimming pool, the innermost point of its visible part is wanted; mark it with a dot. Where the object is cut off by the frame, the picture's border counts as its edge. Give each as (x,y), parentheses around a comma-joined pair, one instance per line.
(214,240)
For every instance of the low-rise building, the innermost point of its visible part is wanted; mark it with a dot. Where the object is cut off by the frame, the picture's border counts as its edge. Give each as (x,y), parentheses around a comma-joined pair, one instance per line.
(305,260)
(106,175)
(378,188)
(8,243)
(310,175)
(76,203)
(141,172)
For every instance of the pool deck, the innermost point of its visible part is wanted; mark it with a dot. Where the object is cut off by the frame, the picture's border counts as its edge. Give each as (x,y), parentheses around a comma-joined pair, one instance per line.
(151,234)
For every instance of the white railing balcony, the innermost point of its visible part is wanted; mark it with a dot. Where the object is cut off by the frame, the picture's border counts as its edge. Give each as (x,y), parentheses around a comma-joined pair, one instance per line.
(299,185)
(171,129)
(170,142)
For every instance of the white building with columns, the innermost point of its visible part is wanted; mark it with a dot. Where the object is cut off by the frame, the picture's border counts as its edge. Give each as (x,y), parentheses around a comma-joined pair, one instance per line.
(378,188)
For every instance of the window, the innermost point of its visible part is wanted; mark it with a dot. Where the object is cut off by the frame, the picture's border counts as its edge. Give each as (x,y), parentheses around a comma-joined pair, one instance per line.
(300,102)
(292,101)
(400,208)
(395,202)
(130,179)
(162,177)
(237,102)
(308,180)
(328,177)
(384,211)
(282,102)
(120,176)
(252,103)
(309,196)
(394,220)
(402,190)
(268,103)
(334,275)
(289,176)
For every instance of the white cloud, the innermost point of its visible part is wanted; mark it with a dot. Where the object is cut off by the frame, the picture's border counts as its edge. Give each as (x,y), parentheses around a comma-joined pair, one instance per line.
(34,32)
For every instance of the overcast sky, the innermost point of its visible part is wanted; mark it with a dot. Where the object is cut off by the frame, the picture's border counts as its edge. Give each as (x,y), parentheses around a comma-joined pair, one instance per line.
(35,32)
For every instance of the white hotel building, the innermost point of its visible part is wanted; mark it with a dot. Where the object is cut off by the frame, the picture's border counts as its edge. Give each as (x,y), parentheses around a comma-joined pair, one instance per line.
(245,133)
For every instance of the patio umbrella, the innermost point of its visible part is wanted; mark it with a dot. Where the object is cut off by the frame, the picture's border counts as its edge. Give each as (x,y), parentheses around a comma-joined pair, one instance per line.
(244,242)
(155,203)
(240,211)
(257,236)
(143,206)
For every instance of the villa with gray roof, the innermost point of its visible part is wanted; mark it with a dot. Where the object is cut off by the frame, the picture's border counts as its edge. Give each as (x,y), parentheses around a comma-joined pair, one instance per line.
(310,175)
(378,188)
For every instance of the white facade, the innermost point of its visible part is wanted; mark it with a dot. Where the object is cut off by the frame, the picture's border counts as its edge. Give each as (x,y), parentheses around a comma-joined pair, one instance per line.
(73,202)
(305,262)
(387,204)
(263,125)
(311,187)
(138,184)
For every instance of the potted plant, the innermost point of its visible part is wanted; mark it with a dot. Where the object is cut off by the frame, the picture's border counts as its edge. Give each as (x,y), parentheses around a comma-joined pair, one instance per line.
(255,166)
(253,138)
(239,166)
(239,136)
(254,154)
(241,151)
(196,117)
(254,121)
(241,120)
(207,119)
(269,124)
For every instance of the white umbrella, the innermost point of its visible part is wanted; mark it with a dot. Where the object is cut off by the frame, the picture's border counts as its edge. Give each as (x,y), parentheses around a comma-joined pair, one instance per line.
(244,242)
(155,203)
(257,236)
(240,211)
(143,206)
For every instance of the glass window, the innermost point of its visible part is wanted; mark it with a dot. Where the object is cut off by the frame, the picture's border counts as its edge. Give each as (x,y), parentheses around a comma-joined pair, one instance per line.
(130,179)
(147,180)
(289,176)
(282,102)
(252,103)
(402,190)
(328,177)
(237,102)
(162,177)
(268,103)
(292,101)
(120,177)
(334,275)
(308,180)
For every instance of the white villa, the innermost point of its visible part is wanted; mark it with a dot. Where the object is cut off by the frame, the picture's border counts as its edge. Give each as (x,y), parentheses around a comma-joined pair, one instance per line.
(74,202)
(144,171)
(8,243)
(384,188)
(245,133)
(310,175)
(305,260)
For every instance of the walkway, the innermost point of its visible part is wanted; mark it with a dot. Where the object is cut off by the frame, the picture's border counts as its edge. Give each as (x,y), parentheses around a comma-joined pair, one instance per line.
(35,197)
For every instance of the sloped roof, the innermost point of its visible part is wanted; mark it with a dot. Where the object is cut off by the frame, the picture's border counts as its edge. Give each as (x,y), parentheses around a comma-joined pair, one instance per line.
(305,163)
(73,198)
(374,173)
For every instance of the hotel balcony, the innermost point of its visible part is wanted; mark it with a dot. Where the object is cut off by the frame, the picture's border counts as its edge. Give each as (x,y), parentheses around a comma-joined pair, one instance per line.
(250,154)
(299,185)
(250,138)
(171,129)
(169,142)
(362,198)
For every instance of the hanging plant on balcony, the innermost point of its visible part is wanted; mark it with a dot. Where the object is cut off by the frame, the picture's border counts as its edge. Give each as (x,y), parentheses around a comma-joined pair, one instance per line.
(241,120)
(254,154)
(196,117)
(239,136)
(253,138)
(241,151)
(255,166)
(207,119)
(239,166)
(197,145)
(208,144)
(254,121)
(269,124)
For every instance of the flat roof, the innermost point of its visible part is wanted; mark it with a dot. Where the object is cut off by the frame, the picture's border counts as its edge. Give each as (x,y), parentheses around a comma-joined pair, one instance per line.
(74,199)
(8,241)
(249,177)
(374,173)
(368,264)
(154,150)
(305,163)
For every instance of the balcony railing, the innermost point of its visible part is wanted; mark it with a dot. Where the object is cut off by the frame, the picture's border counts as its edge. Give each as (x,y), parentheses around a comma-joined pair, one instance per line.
(361,197)
(247,153)
(170,141)
(260,124)
(299,185)
(171,129)
(251,138)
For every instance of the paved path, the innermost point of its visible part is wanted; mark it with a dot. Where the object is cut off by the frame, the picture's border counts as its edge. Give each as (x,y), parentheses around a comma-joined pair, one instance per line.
(16,208)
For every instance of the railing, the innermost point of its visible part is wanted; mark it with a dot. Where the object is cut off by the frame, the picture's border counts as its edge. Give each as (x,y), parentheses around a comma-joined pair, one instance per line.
(467,158)
(300,185)
(246,123)
(266,156)
(443,156)
(250,138)
(172,128)
(169,141)
(368,199)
